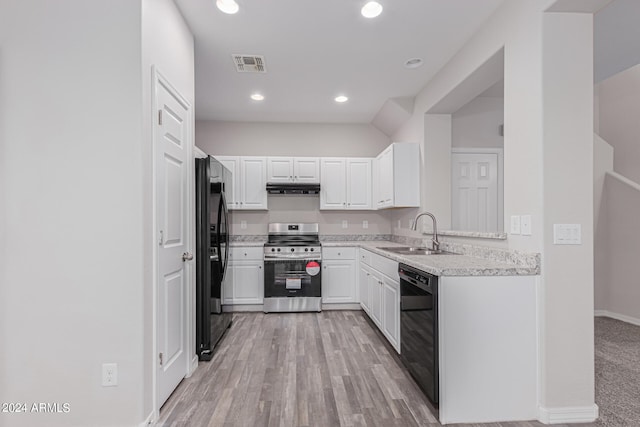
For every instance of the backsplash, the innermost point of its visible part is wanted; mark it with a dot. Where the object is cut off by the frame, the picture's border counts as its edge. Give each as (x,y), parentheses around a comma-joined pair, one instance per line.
(355,237)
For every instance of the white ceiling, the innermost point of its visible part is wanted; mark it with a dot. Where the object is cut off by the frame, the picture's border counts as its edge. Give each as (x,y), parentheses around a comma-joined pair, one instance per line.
(315,50)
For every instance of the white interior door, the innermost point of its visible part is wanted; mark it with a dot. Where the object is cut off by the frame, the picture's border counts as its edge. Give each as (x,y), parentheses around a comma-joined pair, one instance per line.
(173,167)
(474,198)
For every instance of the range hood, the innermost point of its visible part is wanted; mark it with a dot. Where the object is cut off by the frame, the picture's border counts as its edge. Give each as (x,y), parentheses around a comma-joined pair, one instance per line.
(292,188)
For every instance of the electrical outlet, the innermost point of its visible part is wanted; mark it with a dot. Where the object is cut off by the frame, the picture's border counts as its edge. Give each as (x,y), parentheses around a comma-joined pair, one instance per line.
(243,225)
(345,224)
(109,374)
(515,224)
(399,223)
(365,224)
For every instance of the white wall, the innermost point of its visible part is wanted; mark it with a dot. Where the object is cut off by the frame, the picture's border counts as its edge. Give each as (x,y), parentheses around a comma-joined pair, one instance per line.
(289,139)
(75,232)
(297,139)
(167,46)
(548,116)
(617,38)
(616,203)
(568,198)
(619,100)
(618,251)
(72,266)
(476,125)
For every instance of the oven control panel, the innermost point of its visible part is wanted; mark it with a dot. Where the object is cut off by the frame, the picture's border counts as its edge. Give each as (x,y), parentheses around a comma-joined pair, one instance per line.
(286,252)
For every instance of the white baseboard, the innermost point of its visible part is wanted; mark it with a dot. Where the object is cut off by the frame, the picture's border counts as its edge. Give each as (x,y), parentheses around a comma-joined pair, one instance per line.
(622,317)
(149,421)
(193,366)
(567,415)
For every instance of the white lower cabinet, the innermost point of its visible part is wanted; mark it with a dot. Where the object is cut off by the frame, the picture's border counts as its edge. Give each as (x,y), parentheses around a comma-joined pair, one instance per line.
(391,311)
(375,298)
(244,283)
(381,300)
(363,287)
(339,284)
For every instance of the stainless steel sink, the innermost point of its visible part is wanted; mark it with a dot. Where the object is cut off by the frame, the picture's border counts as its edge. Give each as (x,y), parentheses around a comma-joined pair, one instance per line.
(414,250)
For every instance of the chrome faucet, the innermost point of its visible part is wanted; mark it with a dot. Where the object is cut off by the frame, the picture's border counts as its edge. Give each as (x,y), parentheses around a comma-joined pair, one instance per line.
(434,241)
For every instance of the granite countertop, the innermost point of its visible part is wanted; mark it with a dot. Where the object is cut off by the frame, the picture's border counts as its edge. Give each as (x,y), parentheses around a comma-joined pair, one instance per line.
(489,263)
(443,265)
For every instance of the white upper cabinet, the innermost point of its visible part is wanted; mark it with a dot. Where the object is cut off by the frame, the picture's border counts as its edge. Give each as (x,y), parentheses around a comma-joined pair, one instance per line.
(333,178)
(397,171)
(306,169)
(253,183)
(280,169)
(359,188)
(249,187)
(293,169)
(233,164)
(345,183)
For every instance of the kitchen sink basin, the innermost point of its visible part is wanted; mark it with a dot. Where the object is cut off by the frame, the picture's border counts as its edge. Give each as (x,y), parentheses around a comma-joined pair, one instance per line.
(415,250)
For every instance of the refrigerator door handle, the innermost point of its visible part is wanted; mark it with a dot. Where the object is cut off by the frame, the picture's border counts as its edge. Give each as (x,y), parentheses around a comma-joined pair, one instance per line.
(223,206)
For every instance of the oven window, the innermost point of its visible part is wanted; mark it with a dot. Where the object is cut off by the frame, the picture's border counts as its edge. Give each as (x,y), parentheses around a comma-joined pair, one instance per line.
(290,278)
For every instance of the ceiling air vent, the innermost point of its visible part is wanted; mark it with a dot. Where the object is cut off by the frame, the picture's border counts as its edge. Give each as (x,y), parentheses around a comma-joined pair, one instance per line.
(249,63)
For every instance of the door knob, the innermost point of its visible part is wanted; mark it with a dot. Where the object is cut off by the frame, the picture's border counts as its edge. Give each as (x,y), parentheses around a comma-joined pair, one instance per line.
(187,256)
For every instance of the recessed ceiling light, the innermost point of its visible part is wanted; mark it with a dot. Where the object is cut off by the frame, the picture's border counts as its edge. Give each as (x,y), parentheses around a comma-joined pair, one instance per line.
(257,97)
(341,99)
(371,9)
(228,6)
(413,63)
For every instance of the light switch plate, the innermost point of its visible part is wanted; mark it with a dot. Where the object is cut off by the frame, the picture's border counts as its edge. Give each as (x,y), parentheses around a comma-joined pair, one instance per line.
(345,224)
(243,225)
(515,224)
(525,225)
(567,234)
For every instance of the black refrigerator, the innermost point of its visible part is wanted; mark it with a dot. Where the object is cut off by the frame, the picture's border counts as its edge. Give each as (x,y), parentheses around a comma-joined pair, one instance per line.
(212,254)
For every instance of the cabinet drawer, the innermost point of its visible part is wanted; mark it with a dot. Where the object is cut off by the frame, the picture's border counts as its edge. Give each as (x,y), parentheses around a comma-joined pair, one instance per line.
(365,256)
(385,265)
(248,252)
(338,253)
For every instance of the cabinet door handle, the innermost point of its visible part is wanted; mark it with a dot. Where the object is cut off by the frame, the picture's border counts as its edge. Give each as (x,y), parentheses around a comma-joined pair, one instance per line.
(260,267)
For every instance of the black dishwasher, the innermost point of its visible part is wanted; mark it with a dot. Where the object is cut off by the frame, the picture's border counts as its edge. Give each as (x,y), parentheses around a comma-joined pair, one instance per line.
(419,328)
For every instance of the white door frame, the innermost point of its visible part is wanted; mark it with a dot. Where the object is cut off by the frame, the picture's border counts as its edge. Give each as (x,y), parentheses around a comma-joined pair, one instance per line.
(189,310)
(491,150)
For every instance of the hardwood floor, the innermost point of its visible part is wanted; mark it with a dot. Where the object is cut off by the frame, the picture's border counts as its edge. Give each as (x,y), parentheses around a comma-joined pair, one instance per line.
(302,369)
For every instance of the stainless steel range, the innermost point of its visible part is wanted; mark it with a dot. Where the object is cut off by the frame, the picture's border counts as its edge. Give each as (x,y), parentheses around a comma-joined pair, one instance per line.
(292,268)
